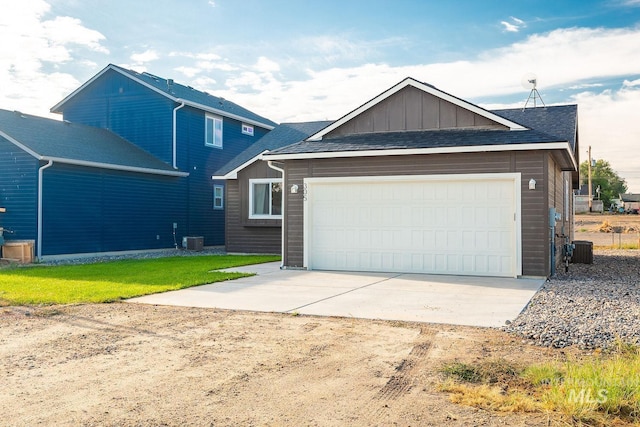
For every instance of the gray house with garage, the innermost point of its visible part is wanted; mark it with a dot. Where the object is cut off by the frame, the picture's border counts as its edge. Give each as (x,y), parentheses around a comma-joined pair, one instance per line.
(417,180)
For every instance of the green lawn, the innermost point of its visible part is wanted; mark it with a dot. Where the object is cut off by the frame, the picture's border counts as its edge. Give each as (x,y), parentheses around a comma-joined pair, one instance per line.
(115,280)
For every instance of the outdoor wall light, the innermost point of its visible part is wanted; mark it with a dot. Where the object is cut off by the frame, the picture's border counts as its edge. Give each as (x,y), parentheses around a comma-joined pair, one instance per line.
(294,189)
(532,184)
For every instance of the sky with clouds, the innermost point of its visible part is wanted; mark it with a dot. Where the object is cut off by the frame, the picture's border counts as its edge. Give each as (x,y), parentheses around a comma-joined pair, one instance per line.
(292,60)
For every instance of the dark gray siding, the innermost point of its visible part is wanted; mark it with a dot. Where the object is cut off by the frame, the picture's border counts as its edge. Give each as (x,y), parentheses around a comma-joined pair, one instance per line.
(531,164)
(412,109)
(244,234)
(18,191)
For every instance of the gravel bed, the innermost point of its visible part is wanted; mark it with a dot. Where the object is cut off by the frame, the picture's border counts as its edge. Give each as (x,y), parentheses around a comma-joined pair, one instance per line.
(591,306)
(133,255)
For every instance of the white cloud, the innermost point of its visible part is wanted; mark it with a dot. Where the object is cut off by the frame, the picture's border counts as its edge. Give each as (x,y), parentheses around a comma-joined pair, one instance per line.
(265,65)
(510,28)
(513,25)
(608,122)
(205,84)
(188,71)
(64,30)
(585,86)
(561,59)
(631,83)
(31,43)
(332,49)
(146,56)
(211,65)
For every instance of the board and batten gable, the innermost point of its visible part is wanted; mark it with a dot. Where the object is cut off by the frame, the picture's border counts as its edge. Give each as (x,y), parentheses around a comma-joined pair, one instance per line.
(244,234)
(127,108)
(18,191)
(412,109)
(529,164)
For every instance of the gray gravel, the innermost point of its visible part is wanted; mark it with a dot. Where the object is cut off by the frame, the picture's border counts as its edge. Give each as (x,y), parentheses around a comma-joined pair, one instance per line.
(591,306)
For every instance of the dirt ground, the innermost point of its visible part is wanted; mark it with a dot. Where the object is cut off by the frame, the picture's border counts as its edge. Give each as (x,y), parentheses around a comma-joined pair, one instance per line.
(622,229)
(125,364)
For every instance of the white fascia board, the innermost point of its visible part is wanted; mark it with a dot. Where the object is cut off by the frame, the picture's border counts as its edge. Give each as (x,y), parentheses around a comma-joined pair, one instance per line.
(55,108)
(414,151)
(234,173)
(224,113)
(113,166)
(91,164)
(20,145)
(425,88)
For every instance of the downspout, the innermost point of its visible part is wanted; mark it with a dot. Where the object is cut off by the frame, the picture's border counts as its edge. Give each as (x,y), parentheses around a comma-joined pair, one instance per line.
(40,178)
(175,132)
(284,210)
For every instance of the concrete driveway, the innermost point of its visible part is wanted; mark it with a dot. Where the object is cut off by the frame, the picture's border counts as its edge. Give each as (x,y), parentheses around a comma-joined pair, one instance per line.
(458,300)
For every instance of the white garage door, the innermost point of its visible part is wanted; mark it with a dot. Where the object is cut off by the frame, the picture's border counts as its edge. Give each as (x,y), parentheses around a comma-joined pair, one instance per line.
(465,225)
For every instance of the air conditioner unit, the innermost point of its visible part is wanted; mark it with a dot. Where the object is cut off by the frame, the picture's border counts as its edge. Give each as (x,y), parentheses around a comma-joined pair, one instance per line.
(195,243)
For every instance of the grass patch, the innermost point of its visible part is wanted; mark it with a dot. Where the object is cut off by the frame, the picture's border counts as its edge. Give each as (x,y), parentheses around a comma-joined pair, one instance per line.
(626,246)
(115,280)
(598,390)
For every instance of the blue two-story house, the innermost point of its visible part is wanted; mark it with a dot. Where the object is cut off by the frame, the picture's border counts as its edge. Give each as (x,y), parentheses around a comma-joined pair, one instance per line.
(128,168)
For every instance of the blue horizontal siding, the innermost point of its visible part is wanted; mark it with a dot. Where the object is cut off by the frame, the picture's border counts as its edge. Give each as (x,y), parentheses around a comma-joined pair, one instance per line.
(145,118)
(18,191)
(90,210)
(201,162)
(128,109)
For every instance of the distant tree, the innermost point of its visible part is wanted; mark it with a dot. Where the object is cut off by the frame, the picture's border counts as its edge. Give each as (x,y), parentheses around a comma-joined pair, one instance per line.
(602,175)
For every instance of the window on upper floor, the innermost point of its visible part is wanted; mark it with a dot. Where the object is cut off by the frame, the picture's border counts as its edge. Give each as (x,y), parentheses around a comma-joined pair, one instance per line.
(247,129)
(265,198)
(218,197)
(213,131)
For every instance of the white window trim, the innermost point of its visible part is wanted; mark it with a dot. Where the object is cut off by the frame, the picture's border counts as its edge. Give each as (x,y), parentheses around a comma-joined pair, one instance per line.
(206,122)
(216,187)
(263,181)
(247,129)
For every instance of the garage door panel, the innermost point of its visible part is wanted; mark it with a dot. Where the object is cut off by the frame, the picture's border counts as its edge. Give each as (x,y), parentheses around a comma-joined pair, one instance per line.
(430,226)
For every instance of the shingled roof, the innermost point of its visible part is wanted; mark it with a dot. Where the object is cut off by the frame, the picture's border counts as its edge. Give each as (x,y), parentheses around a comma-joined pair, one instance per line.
(559,120)
(543,128)
(417,140)
(180,93)
(283,135)
(71,143)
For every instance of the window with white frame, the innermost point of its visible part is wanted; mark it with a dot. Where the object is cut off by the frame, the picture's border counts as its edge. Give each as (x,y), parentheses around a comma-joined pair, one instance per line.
(247,129)
(213,131)
(218,197)
(265,198)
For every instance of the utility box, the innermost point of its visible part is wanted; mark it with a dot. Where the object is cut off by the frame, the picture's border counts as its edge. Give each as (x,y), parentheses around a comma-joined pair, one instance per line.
(195,243)
(583,252)
(18,250)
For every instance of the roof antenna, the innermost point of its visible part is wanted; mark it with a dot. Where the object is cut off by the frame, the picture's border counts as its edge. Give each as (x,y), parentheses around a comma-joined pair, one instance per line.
(530,81)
